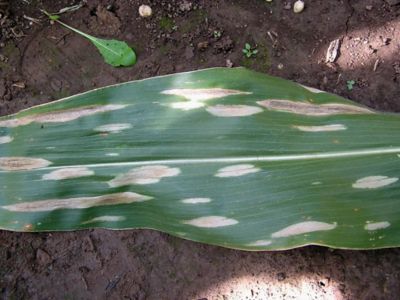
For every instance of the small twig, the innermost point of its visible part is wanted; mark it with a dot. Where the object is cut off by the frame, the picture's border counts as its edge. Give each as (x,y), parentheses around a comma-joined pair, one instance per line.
(34,20)
(113,283)
(20,85)
(270,36)
(338,78)
(376,64)
(84,281)
(65,9)
(274,33)
(70,8)
(16,34)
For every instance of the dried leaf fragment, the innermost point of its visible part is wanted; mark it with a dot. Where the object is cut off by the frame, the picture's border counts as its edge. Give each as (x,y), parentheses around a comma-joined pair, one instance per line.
(333,51)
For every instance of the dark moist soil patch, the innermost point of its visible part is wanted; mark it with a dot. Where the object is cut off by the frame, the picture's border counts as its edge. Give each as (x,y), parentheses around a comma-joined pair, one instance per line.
(40,63)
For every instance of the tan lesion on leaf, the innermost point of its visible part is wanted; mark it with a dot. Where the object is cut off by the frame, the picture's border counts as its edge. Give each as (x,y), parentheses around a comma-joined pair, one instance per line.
(6,139)
(105,219)
(75,113)
(302,228)
(310,109)
(376,225)
(322,128)
(15,122)
(204,93)
(196,200)
(68,173)
(22,163)
(144,175)
(237,170)
(77,203)
(61,116)
(28,227)
(211,222)
(260,243)
(233,110)
(113,128)
(197,97)
(374,182)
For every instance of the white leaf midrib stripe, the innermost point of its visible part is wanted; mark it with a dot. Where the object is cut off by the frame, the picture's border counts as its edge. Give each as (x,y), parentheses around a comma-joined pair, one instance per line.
(234,160)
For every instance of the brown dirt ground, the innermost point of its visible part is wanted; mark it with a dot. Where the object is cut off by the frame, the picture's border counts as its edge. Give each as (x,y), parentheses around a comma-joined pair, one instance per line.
(40,63)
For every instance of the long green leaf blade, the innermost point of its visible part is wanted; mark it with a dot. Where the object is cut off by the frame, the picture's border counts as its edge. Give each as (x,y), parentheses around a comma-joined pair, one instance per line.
(222,156)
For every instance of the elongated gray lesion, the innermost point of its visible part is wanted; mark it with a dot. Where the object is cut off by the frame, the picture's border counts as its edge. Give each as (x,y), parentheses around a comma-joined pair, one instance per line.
(211,222)
(77,203)
(237,170)
(260,243)
(197,97)
(233,110)
(144,175)
(376,225)
(105,219)
(65,115)
(6,139)
(374,182)
(321,128)
(302,228)
(310,109)
(22,163)
(68,173)
(113,128)
(202,94)
(196,200)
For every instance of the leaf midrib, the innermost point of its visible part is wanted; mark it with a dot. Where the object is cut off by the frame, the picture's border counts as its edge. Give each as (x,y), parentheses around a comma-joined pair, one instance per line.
(236,160)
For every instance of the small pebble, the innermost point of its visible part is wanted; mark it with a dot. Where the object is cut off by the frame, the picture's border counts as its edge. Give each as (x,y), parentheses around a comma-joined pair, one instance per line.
(185,6)
(145,11)
(298,6)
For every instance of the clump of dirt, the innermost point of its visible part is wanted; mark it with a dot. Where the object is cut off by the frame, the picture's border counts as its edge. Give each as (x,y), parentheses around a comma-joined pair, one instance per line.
(40,62)
(104,22)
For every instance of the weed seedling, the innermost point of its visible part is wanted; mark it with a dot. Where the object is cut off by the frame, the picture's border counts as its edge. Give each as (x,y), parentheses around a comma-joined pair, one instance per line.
(217,34)
(248,51)
(350,84)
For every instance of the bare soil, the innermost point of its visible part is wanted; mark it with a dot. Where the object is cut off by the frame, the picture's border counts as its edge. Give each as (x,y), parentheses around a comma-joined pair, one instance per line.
(40,62)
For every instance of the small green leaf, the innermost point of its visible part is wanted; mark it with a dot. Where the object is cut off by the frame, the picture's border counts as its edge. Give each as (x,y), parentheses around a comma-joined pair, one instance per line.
(245,51)
(116,53)
(255,51)
(350,84)
(247,46)
(54,17)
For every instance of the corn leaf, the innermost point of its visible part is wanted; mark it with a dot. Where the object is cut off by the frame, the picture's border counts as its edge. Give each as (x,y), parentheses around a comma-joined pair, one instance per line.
(227,157)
